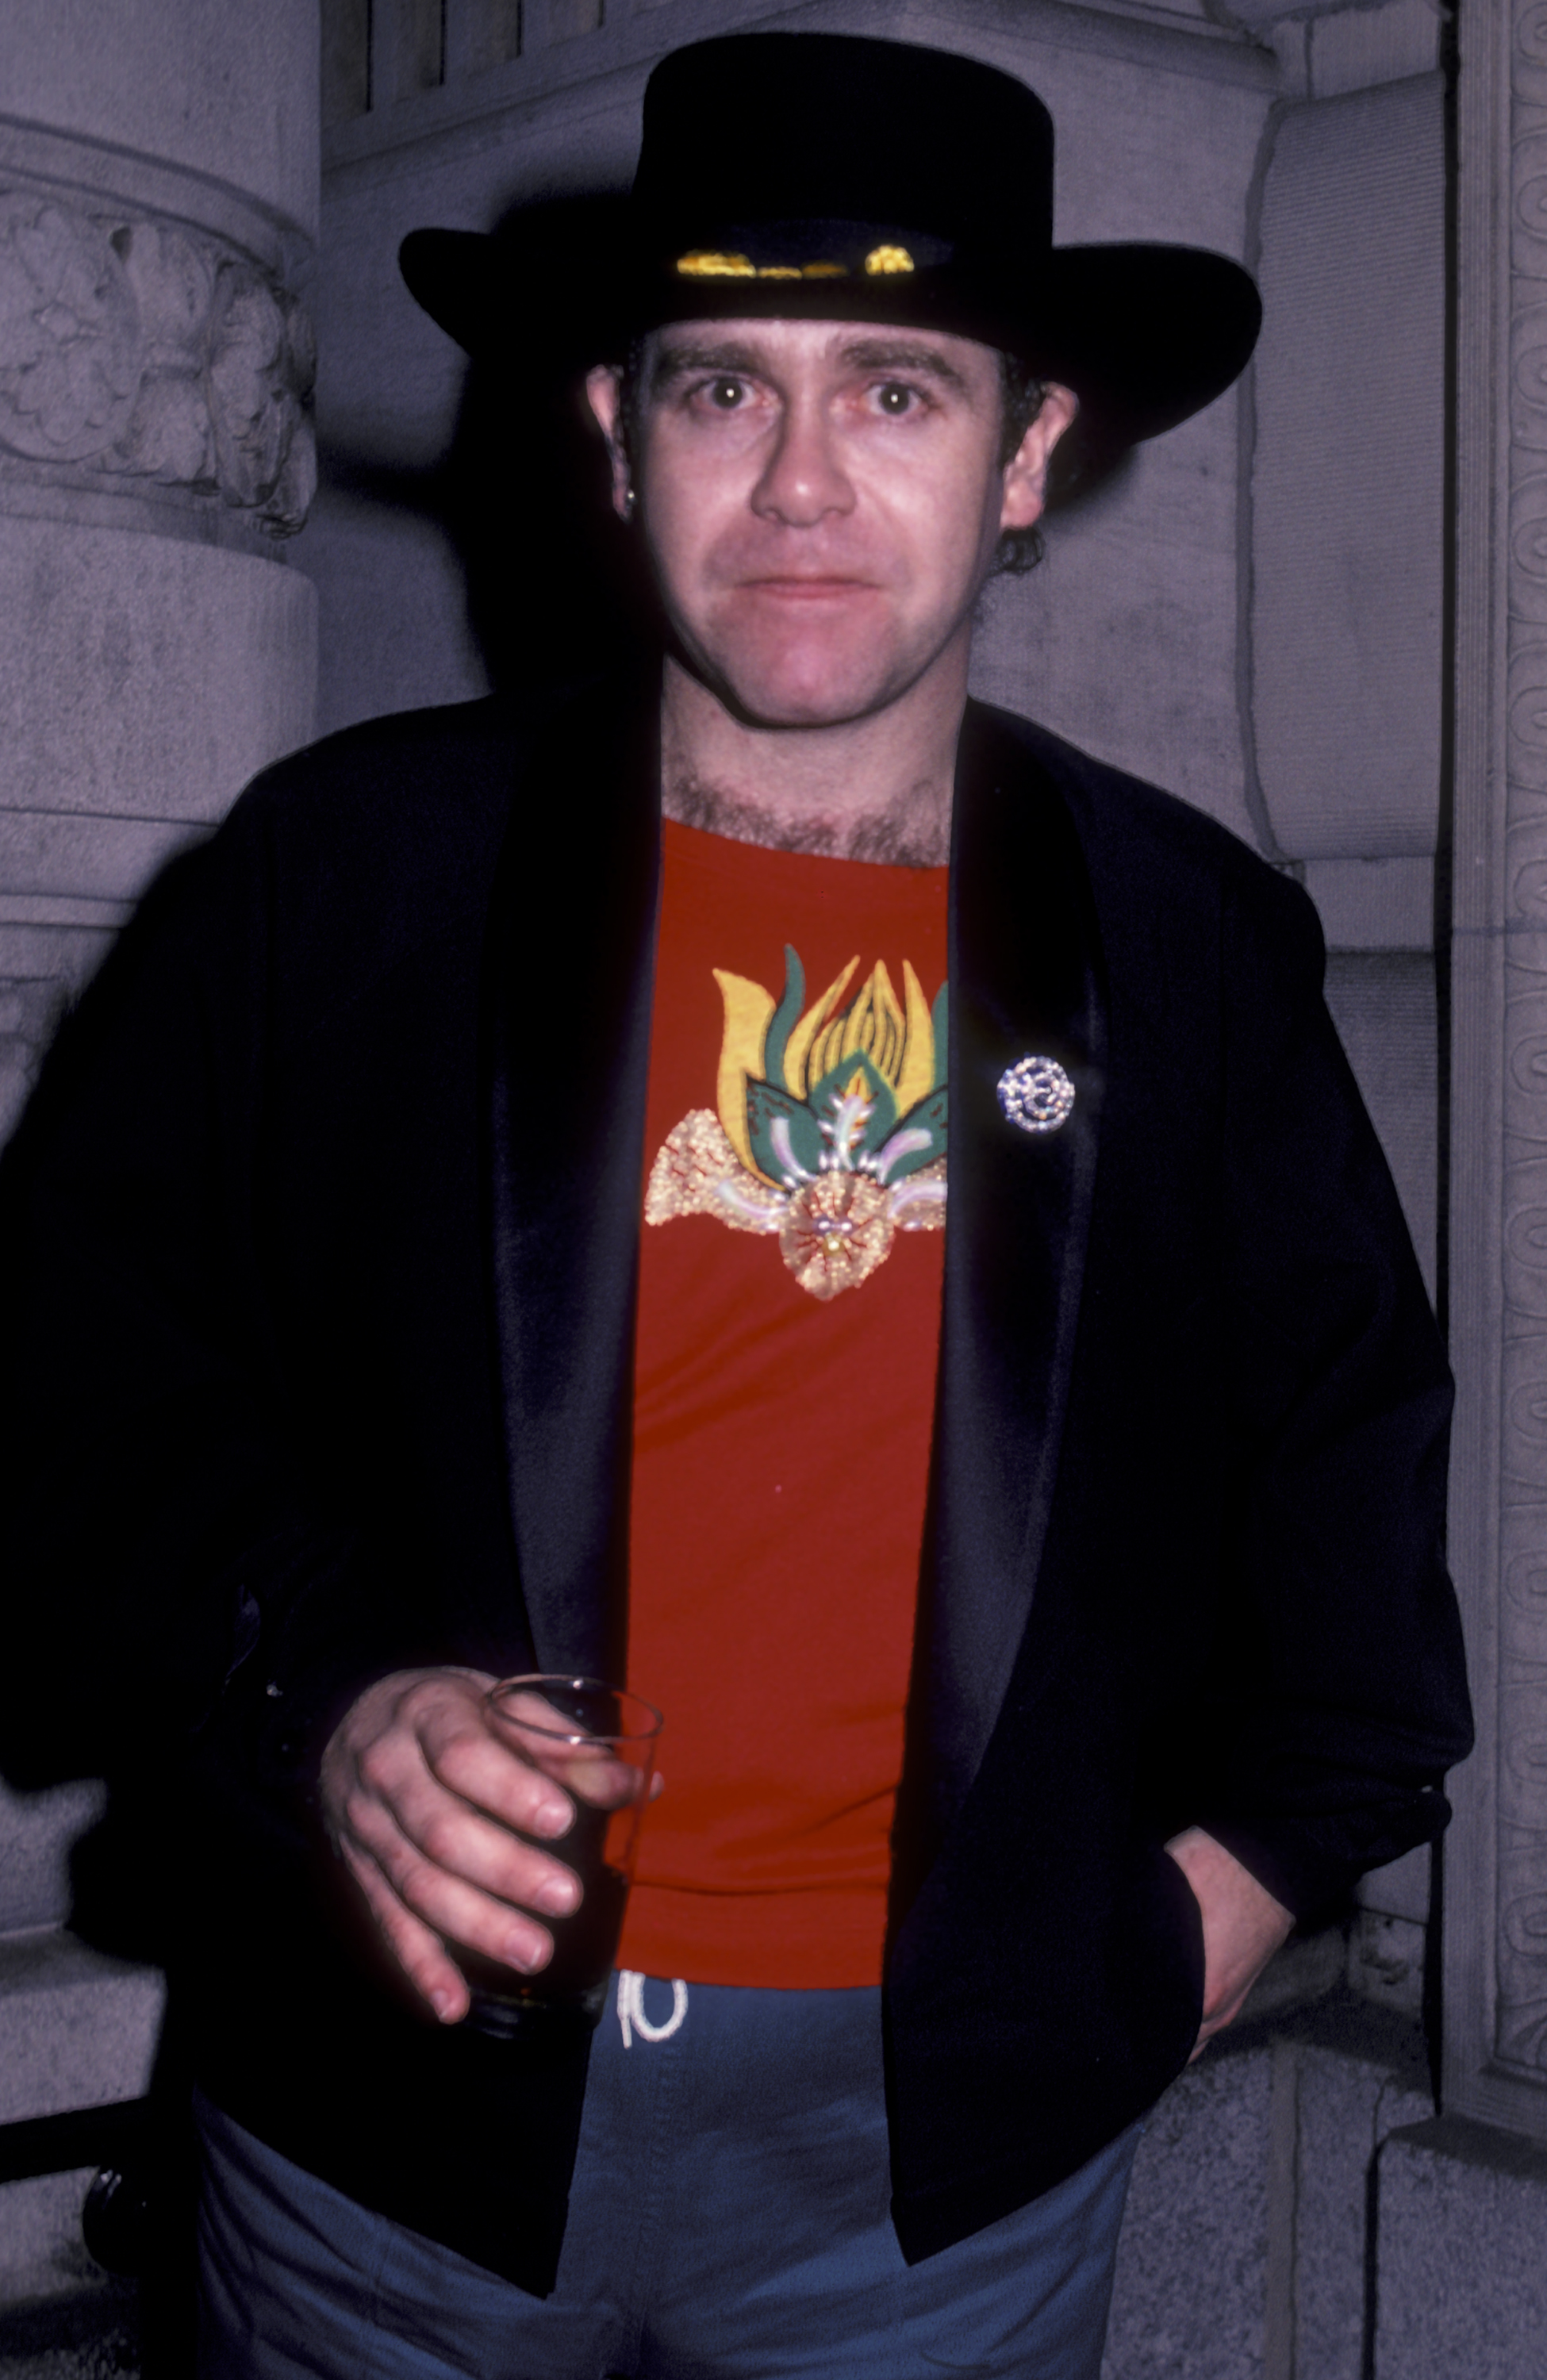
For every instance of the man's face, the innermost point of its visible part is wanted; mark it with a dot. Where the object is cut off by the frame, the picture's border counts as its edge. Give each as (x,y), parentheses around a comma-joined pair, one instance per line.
(821,501)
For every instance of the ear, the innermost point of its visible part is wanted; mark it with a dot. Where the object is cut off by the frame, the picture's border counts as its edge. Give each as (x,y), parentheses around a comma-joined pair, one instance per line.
(604,395)
(1025,486)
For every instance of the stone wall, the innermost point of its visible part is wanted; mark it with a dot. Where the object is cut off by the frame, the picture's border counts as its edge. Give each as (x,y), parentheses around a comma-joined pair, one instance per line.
(158,215)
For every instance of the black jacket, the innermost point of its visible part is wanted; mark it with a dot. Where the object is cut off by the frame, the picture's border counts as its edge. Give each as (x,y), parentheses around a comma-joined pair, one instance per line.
(321,1236)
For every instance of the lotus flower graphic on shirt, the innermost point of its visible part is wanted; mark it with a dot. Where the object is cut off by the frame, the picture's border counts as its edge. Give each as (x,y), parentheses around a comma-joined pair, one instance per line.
(829,1123)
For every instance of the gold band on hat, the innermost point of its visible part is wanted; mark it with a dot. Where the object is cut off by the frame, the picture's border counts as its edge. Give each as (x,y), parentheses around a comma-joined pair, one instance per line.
(724,264)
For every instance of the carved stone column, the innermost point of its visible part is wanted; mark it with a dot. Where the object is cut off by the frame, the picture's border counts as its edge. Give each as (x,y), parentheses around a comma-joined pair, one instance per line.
(1496,1860)
(158,200)
(157,212)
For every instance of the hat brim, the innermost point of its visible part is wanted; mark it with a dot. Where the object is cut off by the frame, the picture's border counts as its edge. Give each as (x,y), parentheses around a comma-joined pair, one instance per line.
(1145,334)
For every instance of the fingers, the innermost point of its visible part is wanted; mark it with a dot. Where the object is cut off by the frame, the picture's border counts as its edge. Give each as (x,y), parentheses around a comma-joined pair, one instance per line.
(460,1746)
(418,1950)
(460,1874)
(580,1768)
(1243,1926)
(421,1802)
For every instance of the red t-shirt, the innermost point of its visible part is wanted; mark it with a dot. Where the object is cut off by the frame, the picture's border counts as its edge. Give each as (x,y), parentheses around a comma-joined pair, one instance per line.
(788,1333)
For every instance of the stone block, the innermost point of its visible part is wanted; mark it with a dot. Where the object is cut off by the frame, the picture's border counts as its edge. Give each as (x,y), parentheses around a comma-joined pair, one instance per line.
(1373,904)
(1192,2265)
(142,678)
(36,1832)
(77,2029)
(42,2253)
(1462,2286)
(1348,578)
(1244,2246)
(1345,2105)
(1385,1007)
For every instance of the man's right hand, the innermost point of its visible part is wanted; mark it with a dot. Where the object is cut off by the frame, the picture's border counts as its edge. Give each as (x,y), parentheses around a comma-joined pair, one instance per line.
(426,1807)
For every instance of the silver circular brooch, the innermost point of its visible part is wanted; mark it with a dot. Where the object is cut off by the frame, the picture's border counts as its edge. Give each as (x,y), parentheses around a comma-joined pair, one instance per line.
(1036,1094)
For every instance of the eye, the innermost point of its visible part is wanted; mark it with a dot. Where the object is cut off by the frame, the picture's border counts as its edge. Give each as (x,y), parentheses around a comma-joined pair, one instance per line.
(894,398)
(726,393)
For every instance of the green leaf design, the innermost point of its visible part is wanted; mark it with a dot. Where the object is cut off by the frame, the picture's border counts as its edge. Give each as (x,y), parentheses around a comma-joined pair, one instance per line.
(929,1115)
(832,1086)
(766,1104)
(785,1017)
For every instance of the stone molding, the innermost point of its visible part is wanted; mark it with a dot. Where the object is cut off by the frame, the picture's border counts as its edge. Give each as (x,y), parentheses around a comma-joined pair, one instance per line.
(141,351)
(1496,1860)
(1520,2022)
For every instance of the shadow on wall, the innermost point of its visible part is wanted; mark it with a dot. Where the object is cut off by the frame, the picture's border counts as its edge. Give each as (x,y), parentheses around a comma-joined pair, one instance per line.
(522,491)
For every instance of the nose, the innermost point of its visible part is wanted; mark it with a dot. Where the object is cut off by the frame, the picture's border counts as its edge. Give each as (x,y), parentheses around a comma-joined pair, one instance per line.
(804,479)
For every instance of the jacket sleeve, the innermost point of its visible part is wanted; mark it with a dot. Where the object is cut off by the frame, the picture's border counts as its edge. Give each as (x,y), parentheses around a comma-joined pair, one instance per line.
(1348,1699)
(164,1549)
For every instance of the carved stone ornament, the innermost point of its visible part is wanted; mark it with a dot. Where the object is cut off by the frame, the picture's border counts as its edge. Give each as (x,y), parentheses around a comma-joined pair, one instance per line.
(142,348)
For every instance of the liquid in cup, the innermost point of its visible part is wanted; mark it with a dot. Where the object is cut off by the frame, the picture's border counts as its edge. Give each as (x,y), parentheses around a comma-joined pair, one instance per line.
(598,1743)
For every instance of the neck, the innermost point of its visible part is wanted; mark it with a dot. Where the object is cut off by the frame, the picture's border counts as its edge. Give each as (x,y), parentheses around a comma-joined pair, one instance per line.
(877,789)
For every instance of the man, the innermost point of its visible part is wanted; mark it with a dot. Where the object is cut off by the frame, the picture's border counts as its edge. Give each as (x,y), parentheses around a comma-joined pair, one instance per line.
(1029,1512)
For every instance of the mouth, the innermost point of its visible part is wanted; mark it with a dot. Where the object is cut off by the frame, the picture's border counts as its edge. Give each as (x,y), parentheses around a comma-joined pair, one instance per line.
(803,589)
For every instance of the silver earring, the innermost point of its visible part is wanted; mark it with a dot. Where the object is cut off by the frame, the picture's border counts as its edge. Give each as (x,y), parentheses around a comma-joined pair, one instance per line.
(629,503)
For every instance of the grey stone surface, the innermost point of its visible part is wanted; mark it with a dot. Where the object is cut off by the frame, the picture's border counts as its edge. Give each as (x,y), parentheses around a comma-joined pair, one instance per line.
(1344,2107)
(1495,2003)
(141,678)
(1386,1961)
(36,1831)
(1383,1005)
(1190,2292)
(1244,2249)
(1402,1889)
(1348,485)
(158,194)
(42,2255)
(92,2333)
(1374,905)
(142,356)
(1349,48)
(1308,1967)
(1462,2255)
(77,2029)
(223,90)
(1124,638)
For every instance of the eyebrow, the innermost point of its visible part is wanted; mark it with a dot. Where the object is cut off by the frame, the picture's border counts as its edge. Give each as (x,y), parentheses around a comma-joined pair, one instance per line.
(888,355)
(678,363)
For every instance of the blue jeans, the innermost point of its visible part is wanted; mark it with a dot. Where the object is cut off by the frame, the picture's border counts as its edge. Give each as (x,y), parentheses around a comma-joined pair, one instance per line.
(728,2217)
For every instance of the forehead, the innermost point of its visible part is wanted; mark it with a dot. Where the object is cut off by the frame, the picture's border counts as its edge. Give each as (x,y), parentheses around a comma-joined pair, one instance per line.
(781,346)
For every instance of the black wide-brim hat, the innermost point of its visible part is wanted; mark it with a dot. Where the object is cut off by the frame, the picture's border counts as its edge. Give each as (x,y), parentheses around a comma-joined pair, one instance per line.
(817,174)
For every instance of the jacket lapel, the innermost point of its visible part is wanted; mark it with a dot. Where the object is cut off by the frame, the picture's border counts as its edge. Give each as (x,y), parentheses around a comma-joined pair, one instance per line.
(570,971)
(1024,981)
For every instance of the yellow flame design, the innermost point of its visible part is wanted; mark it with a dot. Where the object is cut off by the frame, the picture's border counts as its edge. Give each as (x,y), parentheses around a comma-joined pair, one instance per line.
(898,1040)
(748,1009)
